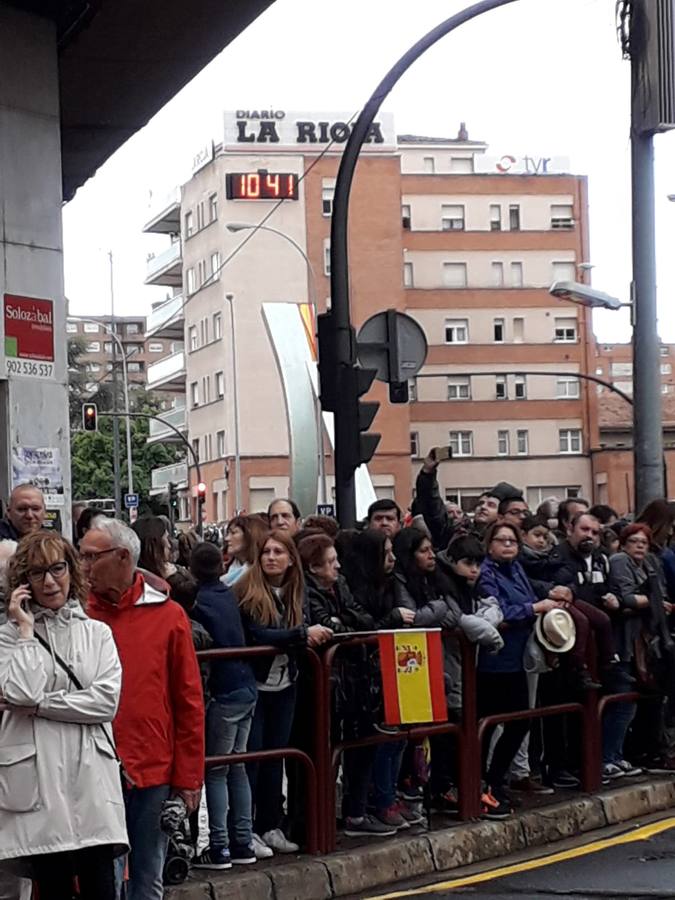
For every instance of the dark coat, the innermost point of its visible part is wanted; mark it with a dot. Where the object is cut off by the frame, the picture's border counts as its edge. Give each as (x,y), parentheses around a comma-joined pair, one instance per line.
(336,608)
(569,568)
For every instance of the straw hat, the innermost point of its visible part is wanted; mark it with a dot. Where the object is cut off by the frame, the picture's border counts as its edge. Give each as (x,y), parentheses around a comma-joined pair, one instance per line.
(555,630)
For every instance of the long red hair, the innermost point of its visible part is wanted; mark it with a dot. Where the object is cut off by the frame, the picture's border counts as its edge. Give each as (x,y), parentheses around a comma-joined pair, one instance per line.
(255,593)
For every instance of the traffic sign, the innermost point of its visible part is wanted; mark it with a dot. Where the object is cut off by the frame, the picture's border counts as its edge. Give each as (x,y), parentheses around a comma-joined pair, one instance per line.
(394,344)
(326,509)
(131,501)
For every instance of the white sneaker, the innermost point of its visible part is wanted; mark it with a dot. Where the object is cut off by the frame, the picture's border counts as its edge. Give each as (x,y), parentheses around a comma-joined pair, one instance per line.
(610,771)
(260,848)
(278,841)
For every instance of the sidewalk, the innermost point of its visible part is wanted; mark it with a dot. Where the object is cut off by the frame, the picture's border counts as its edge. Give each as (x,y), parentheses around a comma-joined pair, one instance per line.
(364,867)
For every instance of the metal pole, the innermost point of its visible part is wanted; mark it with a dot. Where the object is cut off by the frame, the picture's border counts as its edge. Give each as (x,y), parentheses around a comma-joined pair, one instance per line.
(314,303)
(235,400)
(647,416)
(117,488)
(342,335)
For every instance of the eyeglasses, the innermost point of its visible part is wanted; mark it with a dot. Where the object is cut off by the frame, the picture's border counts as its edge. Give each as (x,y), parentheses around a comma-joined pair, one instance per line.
(92,556)
(56,570)
(504,541)
(637,540)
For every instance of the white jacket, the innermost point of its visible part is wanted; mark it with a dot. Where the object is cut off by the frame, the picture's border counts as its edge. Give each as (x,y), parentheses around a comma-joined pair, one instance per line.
(60,786)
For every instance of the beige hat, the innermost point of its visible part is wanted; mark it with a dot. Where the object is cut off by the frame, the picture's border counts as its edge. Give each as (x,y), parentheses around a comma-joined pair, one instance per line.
(555,630)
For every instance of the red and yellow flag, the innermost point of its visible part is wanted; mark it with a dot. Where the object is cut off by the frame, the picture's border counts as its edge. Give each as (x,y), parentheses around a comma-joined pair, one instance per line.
(413,684)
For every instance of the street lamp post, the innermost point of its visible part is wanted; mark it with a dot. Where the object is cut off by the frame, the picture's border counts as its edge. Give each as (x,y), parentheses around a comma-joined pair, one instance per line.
(234,227)
(235,397)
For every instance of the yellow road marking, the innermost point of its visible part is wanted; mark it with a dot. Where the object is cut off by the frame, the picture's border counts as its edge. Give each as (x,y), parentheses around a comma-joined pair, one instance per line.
(640,834)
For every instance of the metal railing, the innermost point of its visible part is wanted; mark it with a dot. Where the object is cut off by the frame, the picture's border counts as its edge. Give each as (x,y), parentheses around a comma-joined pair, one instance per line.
(321,765)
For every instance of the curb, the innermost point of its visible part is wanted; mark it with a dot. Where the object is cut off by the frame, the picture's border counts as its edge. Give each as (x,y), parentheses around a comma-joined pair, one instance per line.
(349,872)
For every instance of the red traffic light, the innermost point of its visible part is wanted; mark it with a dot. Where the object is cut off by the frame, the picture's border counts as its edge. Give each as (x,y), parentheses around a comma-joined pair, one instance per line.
(201,491)
(89,417)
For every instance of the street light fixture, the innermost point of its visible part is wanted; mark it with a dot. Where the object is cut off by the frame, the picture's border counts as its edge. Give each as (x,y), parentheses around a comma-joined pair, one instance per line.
(234,227)
(585,295)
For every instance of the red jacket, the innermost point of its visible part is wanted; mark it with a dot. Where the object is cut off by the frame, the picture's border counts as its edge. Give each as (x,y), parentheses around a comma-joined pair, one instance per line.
(159,727)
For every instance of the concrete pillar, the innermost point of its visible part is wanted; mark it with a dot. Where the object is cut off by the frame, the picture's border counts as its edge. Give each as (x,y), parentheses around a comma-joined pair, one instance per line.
(33,388)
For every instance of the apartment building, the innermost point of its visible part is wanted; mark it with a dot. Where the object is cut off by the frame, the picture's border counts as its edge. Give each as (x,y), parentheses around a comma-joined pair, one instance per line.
(465,243)
(97,356)
(612,459)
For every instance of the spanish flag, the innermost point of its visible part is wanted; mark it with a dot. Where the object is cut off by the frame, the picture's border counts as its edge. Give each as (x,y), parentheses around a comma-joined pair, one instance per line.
(413,683)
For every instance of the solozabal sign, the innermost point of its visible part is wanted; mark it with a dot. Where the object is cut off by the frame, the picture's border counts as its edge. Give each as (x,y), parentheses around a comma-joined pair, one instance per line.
(29,336)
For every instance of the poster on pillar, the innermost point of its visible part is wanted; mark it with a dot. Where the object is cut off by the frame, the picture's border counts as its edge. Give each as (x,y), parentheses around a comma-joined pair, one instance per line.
(41,467)
(29,337)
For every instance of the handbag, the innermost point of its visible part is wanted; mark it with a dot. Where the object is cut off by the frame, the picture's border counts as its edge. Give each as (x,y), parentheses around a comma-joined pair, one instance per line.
(78,686)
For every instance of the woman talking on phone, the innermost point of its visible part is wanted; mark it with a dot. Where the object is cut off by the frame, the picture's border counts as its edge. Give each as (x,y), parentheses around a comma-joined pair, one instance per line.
(61,807)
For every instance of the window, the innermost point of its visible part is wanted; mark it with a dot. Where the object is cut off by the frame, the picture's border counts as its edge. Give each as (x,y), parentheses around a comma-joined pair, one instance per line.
(461,443)
(93,367)
(194,394)
(204,331)
(567,387)
(621,369)
(326,257)
(406,216)
(412,390)
(90,328)
(200,215)
(452,218)
(429,164)
(189,226)
(514,217)
(518,330)
(565,330)
(195,446)
(562,216)
(190,275)
(516,274)
(498,330)
(408,275)
(220,443)
(522,442)
(495,217)
(570,440)
(192,337)
(206,388)
(327,194)
(463,164)
(520,387)
(133,328)
(501,388)
(564,271)
(502,443)
(666,368)
(217,326)
(155,347)
(108,347)
(71,327)
(497,274)
(220,384)
(662,350)
(666,388)
(459,387)
(414,444)
(456,331)
(133,367)
(215,265)
(213,207)
(93,347)
(454,275)
(625,386)
(201,272)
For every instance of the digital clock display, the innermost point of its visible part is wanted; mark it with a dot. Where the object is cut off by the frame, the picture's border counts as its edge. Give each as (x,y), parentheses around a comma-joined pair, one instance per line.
(262,186)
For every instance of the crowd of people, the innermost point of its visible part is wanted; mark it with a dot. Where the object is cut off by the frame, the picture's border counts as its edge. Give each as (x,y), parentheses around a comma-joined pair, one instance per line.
(107,714)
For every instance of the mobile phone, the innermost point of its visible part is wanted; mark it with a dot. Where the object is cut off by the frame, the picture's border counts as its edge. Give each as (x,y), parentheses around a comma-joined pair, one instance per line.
(440,454)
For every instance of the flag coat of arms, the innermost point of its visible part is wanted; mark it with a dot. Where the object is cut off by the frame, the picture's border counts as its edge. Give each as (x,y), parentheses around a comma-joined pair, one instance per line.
(413,683)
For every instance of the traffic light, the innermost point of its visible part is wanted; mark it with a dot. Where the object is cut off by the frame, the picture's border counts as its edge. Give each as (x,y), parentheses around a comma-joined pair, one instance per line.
(173,495)
(89,417)
(327,364)
(201,493)
(398,392)
(359,414)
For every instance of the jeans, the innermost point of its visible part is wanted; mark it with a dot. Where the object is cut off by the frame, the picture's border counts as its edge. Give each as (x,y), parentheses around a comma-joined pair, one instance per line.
(93,866)
(228,793)
(617,718)
(147,841)
(357,767)
(385,773)
(271,729)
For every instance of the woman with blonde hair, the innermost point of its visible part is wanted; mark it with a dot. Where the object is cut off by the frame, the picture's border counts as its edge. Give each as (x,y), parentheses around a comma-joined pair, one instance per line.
(61,807)
(272,599)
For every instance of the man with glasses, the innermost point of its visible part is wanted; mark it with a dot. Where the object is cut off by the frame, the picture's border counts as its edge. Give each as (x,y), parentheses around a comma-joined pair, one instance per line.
(159,728)
(25,513)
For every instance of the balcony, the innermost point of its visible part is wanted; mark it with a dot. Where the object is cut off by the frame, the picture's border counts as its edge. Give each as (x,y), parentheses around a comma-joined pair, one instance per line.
(164,214)
(161,432)
(166,268)
(168,374)
(167,320)
(161,478)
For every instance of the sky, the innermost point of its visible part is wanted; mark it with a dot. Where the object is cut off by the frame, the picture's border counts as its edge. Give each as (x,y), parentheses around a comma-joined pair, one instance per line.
(538,77)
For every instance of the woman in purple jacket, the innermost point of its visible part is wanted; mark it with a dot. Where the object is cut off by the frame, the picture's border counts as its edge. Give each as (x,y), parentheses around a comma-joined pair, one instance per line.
(502,683)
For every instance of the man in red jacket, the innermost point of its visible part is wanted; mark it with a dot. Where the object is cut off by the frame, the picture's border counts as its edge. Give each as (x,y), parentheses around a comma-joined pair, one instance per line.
(159,727)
